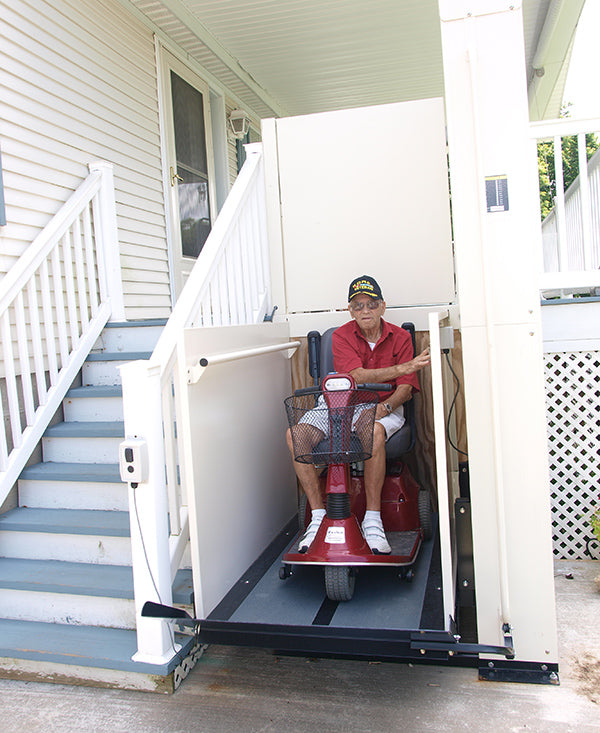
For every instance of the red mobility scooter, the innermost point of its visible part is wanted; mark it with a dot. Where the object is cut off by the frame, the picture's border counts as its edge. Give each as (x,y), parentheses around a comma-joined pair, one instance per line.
(345,413)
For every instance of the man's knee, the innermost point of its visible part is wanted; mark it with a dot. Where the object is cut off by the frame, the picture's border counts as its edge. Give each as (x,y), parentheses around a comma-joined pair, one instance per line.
(288,438)
(378,438)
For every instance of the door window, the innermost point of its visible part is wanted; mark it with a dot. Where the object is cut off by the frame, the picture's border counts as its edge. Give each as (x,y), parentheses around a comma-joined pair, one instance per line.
(192,165)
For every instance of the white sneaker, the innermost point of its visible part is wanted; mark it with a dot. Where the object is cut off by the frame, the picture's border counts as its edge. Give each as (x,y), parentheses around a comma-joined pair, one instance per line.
(311,532)
(374,534)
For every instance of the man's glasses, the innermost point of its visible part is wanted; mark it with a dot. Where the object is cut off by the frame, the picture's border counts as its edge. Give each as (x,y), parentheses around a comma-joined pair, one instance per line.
(371,305)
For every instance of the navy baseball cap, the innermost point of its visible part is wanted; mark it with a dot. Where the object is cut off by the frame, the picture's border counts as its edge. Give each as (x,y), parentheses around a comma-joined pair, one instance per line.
(367,285)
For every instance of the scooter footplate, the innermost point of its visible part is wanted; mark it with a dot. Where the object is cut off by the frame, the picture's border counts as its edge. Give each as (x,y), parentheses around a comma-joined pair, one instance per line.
(402,543)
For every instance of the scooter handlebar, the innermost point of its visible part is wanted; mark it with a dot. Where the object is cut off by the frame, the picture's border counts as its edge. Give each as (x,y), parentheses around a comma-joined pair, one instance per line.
(375,387)
(307,390)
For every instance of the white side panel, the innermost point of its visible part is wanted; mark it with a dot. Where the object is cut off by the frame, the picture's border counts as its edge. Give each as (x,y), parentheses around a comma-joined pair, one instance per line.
(78,82)
(488,137)
(242,487)
(366,191)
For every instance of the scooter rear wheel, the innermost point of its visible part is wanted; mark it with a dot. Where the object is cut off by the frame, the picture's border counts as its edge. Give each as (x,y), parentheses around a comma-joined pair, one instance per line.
(425,518)
(339,582)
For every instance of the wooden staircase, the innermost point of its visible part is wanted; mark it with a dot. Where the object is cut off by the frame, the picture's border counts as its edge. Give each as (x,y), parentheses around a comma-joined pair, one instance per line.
(66,602)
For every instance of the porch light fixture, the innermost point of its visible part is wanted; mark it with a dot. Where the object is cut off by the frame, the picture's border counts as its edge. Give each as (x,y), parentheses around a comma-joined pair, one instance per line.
(239,123)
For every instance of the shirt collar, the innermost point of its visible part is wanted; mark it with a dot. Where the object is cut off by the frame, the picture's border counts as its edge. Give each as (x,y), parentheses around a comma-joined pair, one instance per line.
(385,330)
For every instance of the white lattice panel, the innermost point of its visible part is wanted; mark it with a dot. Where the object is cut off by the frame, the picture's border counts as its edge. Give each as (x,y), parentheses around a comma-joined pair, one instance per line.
(573,417)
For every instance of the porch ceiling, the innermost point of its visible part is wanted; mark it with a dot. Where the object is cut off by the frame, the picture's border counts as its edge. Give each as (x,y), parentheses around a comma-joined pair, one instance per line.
(302,56)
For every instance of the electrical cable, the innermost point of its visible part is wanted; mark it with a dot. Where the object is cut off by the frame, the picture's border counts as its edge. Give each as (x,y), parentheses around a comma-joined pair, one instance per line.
(454,374)
(139,525)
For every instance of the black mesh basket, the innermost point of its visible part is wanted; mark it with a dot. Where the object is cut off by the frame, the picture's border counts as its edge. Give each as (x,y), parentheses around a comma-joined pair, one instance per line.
(340,434)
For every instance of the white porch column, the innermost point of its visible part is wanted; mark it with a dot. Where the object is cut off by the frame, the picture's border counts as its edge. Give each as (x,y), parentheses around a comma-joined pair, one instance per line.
(497,253)
(148,512)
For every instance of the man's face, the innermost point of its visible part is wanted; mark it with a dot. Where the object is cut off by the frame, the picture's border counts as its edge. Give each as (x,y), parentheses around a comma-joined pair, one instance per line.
(366,311)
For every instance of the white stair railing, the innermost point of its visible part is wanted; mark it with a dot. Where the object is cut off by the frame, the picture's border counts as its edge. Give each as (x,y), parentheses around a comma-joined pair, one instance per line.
(571,231)
(54,304)
(229,285)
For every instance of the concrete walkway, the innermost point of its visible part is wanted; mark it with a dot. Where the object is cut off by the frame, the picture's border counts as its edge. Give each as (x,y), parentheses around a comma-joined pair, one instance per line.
(241,690)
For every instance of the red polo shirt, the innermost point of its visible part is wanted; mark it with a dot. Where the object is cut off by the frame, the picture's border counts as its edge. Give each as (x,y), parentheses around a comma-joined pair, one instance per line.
(352,351)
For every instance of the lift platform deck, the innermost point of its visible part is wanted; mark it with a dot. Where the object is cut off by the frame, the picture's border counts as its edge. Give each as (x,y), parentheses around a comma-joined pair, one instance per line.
(384,620)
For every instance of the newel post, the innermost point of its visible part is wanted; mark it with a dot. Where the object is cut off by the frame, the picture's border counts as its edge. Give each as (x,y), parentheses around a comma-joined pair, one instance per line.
(110,238)
(148,511)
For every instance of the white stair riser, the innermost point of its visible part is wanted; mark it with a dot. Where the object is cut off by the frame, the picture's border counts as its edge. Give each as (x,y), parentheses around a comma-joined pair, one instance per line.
(133,338)
(97,373)
(93,409)
(73,495)
(64,608)
(81,450)
(44,671)
(101,550)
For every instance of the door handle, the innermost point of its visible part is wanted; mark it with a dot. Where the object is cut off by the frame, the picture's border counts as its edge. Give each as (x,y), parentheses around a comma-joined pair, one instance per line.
(175,176)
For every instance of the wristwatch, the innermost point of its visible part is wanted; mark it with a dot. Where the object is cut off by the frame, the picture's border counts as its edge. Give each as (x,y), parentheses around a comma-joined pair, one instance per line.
(388,407)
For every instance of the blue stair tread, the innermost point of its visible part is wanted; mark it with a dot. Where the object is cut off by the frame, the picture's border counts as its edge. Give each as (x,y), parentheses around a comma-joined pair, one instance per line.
(87,646)
(118,355)
(86,430)
(137,324)
(66,521)
(105,581)
(93,472)
(101,390)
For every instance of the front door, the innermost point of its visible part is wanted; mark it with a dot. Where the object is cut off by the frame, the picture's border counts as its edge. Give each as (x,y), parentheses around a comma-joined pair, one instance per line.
(189,166)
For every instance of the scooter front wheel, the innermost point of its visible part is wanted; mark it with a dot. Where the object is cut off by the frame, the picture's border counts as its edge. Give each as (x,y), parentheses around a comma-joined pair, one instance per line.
(339,582)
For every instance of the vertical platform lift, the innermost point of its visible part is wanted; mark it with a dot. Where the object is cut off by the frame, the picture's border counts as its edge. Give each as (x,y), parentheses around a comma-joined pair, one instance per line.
(339,202)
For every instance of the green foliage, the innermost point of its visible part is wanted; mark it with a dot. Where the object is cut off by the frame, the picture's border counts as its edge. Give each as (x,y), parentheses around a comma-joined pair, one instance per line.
(595,522)
(570,158)
(546,170)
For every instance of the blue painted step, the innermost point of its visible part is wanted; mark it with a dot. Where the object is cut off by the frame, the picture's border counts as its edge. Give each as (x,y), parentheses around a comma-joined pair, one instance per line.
(66,521)
(118,355)
(107,390)
(95,472)
(86,430)
(137,324)
(54,576)
(88,646)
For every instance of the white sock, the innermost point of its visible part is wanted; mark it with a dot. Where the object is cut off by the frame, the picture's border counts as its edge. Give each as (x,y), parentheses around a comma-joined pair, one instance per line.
(318,514)
(373,516)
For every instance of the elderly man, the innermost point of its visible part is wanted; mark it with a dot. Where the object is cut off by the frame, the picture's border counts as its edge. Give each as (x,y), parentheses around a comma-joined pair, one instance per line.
(370,350)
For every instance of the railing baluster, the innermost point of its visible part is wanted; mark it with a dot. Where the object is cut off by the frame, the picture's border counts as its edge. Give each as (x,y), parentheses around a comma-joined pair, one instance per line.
(11,381)
(70,288)
(215,303)
(256,237)
(48,322)
(36,341)
(102,277)
(168,418)
(81,285)
(3,443)
(232,283)
(584,188)
(61,321)
(224,299)
(90,260)
(24,362)
(563,255)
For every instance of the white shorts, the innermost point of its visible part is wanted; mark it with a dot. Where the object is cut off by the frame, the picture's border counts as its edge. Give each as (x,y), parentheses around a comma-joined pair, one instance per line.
(318,418)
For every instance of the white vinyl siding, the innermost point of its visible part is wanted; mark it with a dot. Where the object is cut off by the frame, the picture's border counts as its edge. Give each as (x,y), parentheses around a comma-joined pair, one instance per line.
(78,84)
